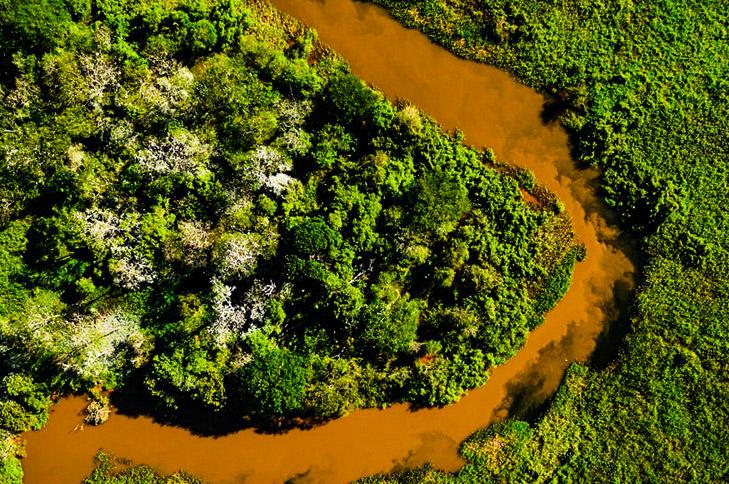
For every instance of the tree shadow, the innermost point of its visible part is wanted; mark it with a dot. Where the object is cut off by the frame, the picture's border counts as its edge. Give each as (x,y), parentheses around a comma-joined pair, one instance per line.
(134,401)
(553,109)
(611,341)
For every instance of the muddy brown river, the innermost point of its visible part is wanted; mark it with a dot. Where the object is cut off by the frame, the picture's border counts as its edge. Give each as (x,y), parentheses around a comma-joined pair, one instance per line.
(492,110)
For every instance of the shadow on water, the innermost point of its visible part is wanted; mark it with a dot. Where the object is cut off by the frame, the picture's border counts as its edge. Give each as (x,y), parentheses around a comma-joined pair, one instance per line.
(529,395)
(553,110)
(300,478)
(133,401)
(611,341)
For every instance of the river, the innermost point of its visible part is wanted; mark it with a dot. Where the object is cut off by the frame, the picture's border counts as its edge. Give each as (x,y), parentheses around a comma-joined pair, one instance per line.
(492,110)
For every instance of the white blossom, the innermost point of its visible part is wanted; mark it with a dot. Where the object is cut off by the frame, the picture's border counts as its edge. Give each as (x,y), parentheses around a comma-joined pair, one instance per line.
(101,76)
(239,320)
(168,90)
(122,134)
(89,345)
(93,341)
(256,299)
(103,37)
(25,94)
(75,155)
(229,319)
(195,235)
(296,141)
(193,243)
(181,151)
(130,269)
(109,234)
(176,88)
(266,161)
(40,319)
(268,167)
(99,227)
(279,183)
(19,156)
(292,113)
(238,255)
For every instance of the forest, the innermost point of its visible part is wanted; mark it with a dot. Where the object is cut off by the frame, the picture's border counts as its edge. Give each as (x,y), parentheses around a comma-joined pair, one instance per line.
(202,207)
(642,88)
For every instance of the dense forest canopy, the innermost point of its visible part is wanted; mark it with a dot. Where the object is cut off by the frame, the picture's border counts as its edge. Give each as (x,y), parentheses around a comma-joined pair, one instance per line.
(646,99)
(199,199)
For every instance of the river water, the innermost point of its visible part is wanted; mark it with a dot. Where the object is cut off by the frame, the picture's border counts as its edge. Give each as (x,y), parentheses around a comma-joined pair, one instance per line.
(492,110)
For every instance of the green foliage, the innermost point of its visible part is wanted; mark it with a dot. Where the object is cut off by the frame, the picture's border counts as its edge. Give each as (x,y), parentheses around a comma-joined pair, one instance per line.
(439,381)
(190,377)
(12,244)
(338,386)
(642,89)
(23,403)
(203,36)
(11,470)
(312,237)
(198,197)
(34,25)
(557,283)
(442,201)
(274,380)
(112,470)
(390,324)
(355,103)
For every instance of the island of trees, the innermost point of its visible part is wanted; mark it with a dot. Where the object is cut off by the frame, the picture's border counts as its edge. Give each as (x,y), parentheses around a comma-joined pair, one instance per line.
(201,203)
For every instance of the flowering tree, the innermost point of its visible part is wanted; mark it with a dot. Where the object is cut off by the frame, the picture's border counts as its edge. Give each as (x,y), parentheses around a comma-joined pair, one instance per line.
(101,344)
(181,151)
(237,254)
(130,269)
(239,320)
(102,77)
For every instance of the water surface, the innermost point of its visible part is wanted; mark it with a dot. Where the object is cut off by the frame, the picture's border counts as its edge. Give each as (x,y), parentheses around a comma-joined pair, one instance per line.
(492,110)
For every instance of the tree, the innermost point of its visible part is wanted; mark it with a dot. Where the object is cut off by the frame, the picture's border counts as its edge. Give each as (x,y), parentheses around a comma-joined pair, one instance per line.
(180,152)
(203,36)
(439,380)
(274,381)
(24,403)
(313,237)
(237,255)
(102,77)
(441,200)
(189,376)
(390,325)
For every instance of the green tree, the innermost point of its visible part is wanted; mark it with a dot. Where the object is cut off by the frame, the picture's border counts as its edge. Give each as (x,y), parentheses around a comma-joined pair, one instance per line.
(191,374)
(274,381)
(24,403)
